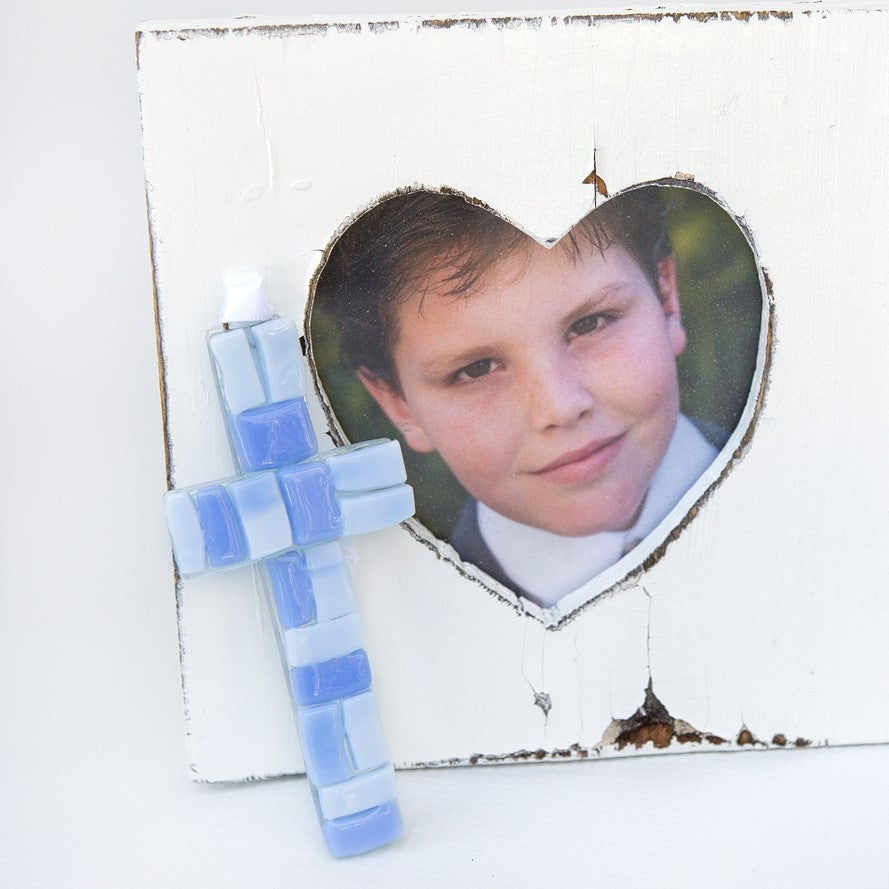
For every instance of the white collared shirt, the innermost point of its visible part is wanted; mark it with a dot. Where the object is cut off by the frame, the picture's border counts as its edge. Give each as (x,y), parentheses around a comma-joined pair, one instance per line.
(549,566)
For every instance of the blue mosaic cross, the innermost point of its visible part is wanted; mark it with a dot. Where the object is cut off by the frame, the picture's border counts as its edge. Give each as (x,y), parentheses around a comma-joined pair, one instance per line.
(285,512)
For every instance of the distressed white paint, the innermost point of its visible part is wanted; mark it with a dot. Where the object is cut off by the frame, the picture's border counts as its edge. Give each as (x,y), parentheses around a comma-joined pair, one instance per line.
(768,611)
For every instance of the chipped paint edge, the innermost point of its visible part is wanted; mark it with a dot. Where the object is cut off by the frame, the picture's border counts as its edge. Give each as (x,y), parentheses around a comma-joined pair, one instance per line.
(323,25)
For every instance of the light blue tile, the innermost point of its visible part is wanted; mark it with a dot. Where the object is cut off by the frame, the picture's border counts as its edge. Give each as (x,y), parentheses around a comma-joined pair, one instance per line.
(325,555)
(331,583)
(281,359)
(363,513)
(236,370)
(333,592)
(364,791)
(364,731)
(325,641)
(366,466)
(258,500)
(185,532)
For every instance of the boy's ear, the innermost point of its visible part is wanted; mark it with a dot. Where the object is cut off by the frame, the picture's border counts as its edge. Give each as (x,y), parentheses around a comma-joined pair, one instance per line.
(669,297)
(394,406)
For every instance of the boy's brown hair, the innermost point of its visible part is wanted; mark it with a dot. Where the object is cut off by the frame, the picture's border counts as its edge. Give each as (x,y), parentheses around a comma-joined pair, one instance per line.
(380,259)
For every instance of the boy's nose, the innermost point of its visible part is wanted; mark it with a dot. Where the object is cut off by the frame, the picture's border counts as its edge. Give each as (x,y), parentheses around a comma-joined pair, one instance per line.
(557,395)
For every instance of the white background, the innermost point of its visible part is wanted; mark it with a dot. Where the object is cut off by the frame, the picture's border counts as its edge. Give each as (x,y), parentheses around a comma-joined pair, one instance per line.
(94,789)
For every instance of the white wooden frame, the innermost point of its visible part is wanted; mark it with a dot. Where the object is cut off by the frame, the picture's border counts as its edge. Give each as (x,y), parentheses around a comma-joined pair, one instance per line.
(763,624)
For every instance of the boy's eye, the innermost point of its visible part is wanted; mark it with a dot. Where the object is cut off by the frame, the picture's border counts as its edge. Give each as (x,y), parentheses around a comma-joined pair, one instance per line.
(587,324)
(475,370)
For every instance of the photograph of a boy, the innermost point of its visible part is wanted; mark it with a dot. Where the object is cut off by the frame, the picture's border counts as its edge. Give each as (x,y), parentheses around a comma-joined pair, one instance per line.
(545,378)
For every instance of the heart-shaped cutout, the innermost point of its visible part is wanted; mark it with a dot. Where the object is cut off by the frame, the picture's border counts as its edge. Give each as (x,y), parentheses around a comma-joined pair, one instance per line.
(586,392)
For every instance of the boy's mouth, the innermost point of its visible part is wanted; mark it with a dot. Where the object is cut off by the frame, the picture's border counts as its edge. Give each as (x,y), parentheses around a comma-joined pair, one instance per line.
(583,464)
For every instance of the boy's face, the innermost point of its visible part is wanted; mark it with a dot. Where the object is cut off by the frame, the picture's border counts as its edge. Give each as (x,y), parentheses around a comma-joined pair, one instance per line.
(550,389)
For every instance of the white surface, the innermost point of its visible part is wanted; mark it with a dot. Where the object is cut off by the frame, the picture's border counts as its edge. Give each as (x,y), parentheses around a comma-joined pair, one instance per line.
(739,626)
(91,747)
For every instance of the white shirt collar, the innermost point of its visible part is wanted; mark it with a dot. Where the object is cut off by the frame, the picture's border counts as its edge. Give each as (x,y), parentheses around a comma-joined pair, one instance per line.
(549,566)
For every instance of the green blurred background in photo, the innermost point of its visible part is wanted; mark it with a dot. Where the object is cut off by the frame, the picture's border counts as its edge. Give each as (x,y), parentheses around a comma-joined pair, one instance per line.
(721,298)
